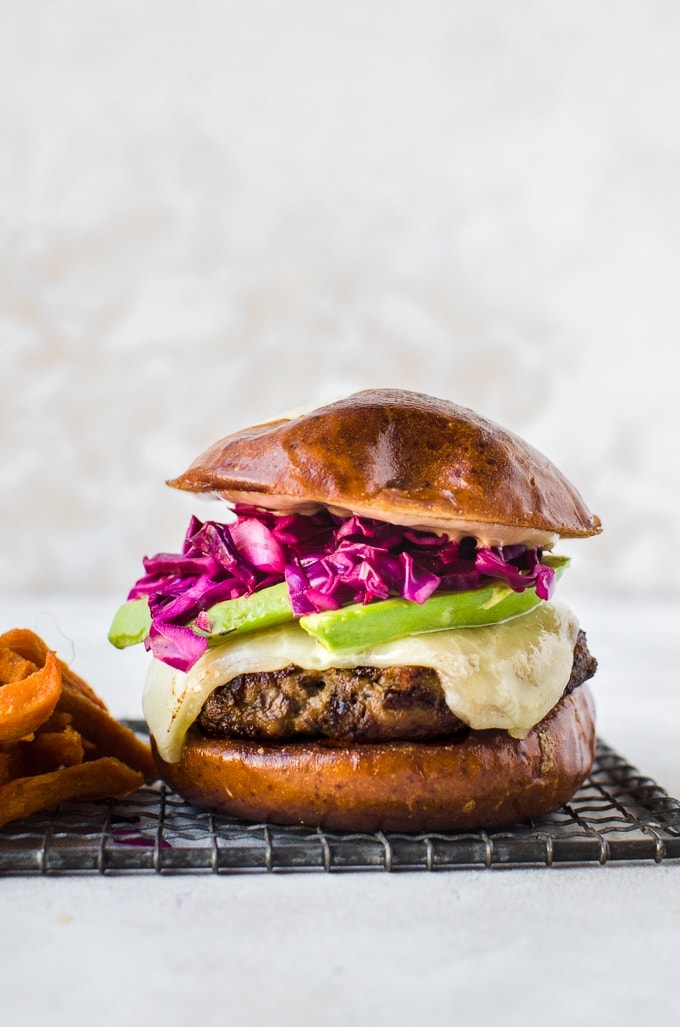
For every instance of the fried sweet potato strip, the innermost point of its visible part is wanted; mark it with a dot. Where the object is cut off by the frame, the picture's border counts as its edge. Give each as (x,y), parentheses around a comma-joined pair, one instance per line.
(12,764)
(58,741)
(104,778)
(31,646)
(27,703)
(106,734)
(50,750)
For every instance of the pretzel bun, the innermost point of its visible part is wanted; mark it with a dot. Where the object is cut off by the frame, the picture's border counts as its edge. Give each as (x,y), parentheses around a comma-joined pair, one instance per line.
(400,457)
(486,779)
(415,461)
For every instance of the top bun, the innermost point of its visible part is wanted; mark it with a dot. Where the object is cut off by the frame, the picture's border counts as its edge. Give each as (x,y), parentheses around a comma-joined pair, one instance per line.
(401,457)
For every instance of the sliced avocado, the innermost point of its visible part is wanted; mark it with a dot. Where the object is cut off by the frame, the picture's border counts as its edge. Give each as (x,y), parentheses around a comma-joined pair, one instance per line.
(353,627)
(131,623)
(358,627)
(262,609)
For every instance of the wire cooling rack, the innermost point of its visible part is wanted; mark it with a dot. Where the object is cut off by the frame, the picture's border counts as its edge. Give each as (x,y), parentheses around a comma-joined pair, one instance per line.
(617,816)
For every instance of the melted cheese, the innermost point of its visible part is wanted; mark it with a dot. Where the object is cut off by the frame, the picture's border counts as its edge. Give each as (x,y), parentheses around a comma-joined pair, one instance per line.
(507,675)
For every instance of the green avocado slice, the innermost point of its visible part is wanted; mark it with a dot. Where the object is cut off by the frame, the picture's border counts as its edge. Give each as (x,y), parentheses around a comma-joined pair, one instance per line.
(357,627)
(261,609)
(130,624)
(353,627)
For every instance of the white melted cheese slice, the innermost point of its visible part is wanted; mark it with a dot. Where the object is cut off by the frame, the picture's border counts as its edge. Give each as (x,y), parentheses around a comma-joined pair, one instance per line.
(507,675)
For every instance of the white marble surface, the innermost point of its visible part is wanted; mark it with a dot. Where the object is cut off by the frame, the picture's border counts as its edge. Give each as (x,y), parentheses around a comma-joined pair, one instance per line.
(591,945)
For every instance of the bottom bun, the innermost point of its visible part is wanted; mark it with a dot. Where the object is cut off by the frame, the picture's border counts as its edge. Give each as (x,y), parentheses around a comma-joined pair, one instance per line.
(484,780)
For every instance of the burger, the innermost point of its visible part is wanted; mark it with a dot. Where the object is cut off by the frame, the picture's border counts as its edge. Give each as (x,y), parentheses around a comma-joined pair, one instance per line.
(367,638)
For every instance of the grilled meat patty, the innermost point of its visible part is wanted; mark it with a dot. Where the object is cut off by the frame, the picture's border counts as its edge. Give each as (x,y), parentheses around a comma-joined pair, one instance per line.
(363,704)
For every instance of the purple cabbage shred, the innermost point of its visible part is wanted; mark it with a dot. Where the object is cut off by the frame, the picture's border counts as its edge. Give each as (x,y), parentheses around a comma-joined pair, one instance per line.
(326,561)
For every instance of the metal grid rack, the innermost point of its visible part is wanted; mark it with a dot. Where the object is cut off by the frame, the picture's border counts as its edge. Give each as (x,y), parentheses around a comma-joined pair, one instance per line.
(617,816)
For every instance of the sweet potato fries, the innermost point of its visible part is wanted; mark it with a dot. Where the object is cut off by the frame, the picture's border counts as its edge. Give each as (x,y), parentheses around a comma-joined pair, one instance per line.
(57,739)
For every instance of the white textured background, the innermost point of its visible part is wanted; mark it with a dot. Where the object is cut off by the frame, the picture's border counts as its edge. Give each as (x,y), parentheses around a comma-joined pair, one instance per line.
(214,211)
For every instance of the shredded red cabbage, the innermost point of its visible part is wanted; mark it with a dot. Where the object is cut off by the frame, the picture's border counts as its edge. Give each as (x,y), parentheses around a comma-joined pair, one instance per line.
(326,562)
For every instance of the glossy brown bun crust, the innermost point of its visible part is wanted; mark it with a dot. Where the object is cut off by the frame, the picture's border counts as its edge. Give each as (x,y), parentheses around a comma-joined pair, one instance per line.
(486,780)
(400,457)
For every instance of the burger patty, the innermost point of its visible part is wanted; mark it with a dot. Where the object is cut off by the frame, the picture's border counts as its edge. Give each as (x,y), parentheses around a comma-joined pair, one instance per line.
(366,704)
